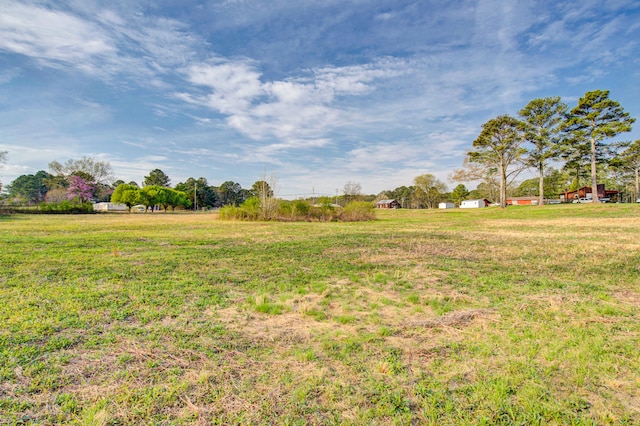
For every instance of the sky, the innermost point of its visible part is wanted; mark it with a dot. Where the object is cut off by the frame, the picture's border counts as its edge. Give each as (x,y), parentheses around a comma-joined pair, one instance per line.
(310,94)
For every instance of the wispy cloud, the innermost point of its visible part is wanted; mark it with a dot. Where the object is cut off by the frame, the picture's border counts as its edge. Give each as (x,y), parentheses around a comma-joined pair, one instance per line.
(97,42)
(52,37)
(370,91)
(297,112)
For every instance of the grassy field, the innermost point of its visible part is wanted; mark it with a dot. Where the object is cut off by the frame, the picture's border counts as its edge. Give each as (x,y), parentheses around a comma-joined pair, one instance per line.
(524,316)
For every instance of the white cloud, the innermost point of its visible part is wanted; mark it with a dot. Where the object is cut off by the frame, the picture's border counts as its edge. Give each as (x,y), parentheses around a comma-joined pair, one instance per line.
(97,41)
(234,85)
(297,112)
(27,160)
(51,37)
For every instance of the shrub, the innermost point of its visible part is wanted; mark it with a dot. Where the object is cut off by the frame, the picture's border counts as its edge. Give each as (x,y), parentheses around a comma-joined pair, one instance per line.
(252,209)
(300,210)
(65,207)
(293,210)
(231,213)
(324,211)
(357,211)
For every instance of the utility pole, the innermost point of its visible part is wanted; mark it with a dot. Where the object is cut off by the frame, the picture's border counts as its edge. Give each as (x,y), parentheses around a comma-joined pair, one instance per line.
(195,196)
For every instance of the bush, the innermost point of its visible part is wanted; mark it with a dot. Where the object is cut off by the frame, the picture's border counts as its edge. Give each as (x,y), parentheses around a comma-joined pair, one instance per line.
(293,210)
(325,211)
(300,210)
(231,213)
(65,207)
(322,214)
(252,209)
(357,211)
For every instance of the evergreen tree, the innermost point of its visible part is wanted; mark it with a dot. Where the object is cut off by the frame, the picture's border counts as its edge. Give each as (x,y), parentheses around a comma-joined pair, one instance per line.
(543,119)
(595,119)
(629,159)
(459,194)
(499,146)
(156,177)
(30,188)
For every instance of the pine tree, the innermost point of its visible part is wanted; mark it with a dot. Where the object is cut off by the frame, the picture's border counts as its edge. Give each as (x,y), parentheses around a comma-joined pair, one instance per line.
(543,120)
(595,119)
(499,145)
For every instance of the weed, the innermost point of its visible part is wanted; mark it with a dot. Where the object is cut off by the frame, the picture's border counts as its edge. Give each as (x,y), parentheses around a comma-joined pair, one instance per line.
(269,308)
(345,319)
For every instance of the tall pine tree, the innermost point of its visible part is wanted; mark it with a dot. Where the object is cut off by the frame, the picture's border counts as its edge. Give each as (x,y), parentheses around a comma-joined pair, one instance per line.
(543,120)
(592,122)
(499,145)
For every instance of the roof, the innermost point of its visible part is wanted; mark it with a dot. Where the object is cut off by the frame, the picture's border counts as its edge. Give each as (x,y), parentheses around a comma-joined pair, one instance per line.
(588,189)
(387,201)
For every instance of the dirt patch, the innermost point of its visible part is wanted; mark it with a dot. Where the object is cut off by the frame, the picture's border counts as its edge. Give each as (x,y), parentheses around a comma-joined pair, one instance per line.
(291,327)
(628,297)
(455,319)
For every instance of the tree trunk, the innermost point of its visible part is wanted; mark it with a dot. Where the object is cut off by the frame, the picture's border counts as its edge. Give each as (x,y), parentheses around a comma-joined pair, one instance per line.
(637,170)
(594,179)
(541,187)
(503,186)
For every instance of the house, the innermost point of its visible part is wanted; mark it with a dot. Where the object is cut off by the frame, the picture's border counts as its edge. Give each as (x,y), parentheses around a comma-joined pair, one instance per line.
(474,204)
(446,205)
(586,192)
(522,201)
(109,207)
(388,204)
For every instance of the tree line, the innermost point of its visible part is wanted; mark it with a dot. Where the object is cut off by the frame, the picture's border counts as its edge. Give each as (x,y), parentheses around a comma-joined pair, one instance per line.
(88,180)
(545,133)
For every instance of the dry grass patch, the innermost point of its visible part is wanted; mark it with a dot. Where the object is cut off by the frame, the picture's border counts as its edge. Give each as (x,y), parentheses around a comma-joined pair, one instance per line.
(628,297)
(285,329)
(455,319)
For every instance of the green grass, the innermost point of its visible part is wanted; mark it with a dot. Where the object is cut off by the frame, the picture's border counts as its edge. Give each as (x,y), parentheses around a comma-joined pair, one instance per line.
(523,316)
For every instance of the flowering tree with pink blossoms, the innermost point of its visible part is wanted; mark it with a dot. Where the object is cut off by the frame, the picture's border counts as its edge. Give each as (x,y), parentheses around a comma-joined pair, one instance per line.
(80,188)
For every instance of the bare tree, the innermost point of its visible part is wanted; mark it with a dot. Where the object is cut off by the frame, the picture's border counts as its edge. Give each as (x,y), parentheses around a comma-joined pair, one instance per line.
(265,191)
(489,183)
(100,171)
(351,191)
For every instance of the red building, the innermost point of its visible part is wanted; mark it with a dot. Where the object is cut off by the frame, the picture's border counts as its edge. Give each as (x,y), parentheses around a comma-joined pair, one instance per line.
(388,204)
(522,201)
(586,192)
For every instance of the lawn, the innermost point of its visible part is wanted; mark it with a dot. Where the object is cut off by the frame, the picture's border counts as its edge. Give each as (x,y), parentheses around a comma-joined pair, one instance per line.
(529,315)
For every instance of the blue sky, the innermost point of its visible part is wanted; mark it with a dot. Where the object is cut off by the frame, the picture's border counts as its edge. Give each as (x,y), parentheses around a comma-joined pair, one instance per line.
(313,93)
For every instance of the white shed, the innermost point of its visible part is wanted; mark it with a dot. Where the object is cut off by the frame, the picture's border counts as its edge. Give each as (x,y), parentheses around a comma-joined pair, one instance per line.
(474,204)
(446,205)
(109,207)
